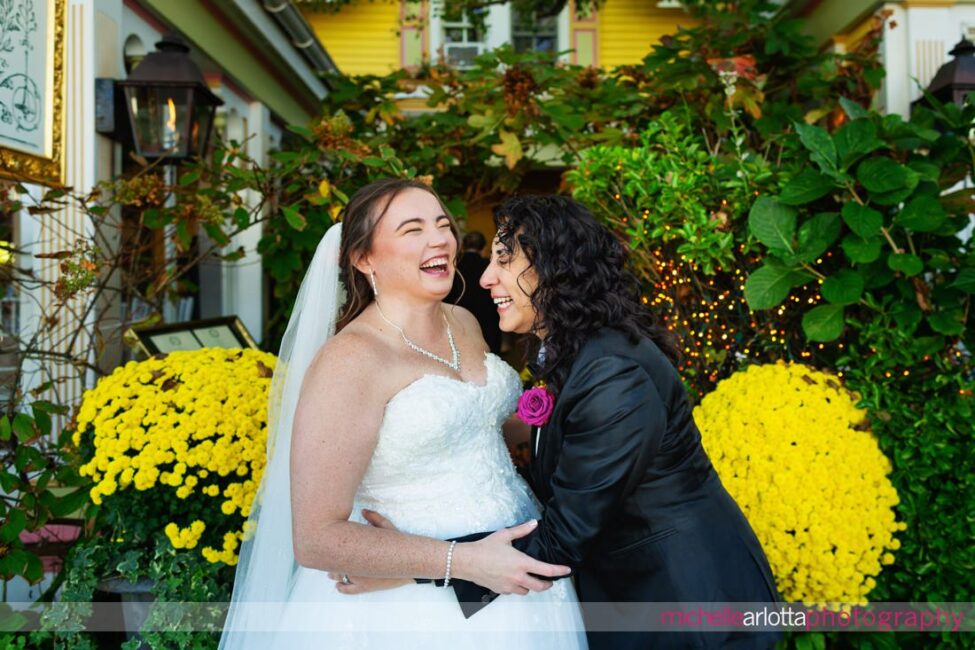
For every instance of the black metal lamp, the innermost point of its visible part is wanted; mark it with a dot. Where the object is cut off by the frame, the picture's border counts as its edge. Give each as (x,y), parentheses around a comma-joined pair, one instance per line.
(169,106)
(955,79)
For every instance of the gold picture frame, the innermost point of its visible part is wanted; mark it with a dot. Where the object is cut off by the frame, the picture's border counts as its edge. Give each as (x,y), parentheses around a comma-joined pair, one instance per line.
(32,92)
(221,332)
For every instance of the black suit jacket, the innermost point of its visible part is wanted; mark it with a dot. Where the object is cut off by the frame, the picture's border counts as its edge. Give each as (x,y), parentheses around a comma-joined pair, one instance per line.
(631,501)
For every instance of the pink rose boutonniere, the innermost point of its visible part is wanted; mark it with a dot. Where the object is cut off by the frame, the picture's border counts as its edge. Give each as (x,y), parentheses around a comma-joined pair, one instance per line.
(535,406)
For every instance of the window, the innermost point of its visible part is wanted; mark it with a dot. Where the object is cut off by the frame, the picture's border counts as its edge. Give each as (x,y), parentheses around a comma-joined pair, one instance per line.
(413,35)
(463,39)
(533,33)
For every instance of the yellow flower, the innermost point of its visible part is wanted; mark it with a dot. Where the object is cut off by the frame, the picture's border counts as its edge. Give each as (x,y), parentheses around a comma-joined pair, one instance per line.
(791,447)
(167,424)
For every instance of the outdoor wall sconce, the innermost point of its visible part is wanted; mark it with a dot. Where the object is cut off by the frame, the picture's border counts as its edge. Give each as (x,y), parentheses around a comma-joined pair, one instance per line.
(167,106)
(956,78)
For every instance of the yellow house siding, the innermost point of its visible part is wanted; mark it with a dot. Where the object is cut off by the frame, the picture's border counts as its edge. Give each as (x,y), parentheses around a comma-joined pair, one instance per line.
(628,29)
(362,38)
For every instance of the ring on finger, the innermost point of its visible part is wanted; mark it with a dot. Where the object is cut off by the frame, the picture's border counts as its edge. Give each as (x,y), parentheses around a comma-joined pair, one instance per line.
(345,579)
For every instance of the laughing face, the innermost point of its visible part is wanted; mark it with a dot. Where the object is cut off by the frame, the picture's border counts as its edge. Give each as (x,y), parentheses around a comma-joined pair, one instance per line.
(413,248)
(511,279)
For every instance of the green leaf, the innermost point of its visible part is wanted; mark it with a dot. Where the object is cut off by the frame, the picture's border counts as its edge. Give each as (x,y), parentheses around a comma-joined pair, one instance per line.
(964,282)
(885,641)
(42,481)
(862,220)
(861,251)
(823,323)
(876,275)
(817,234)
(48,407)
(564,115)
(216,233)
(24,427)
(854,140)
(949,323)
(183,234)
(373,161)
(808,186)
(929,344)
(891,198)
(485,122)
(12,621)
(13,526)
(285,156)
(241,217)
(804,642)
(884,175)
(922,214)
(33,569)
(128,564)
(295,219)
(930,135)
(457,207)
(769,285)
(909,265)
(42,419)
(938,259)
(925,170)
(843,288)
(772,223)
(820,145)
(907,315)
(4,428)
(8,482)
(189,178)
(304,132)
(70,503)
(853,110)
(28,458)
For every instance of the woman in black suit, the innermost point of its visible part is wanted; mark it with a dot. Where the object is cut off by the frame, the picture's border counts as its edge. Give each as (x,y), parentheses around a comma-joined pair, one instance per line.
(632,502)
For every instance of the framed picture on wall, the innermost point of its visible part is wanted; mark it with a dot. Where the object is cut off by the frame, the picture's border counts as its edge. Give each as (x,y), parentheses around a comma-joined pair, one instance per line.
(32,62)
(225,332)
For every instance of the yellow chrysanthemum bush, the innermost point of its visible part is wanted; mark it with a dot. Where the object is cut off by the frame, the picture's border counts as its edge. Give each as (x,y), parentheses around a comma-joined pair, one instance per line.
(794,451)
(175,446)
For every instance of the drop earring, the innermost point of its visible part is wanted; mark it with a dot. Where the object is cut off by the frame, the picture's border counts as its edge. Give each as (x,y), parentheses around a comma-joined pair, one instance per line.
(372,277)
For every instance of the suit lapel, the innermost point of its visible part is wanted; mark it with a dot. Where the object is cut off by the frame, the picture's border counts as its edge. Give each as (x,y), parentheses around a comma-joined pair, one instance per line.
(541,465)
(534,467)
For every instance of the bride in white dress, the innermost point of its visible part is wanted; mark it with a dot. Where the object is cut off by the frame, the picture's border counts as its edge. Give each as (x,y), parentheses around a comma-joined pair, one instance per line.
(399,412)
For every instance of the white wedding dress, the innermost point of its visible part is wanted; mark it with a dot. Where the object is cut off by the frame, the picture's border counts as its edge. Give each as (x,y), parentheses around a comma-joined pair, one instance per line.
(440,469)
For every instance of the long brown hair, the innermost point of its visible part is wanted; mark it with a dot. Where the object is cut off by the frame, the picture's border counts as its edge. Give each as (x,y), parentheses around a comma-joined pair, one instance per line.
(359,220)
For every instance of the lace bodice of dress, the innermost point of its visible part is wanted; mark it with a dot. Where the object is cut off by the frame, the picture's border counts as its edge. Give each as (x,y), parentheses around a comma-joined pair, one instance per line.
(441,467)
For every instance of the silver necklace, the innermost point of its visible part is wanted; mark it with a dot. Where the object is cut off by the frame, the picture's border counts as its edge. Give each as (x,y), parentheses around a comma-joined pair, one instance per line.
(454,364)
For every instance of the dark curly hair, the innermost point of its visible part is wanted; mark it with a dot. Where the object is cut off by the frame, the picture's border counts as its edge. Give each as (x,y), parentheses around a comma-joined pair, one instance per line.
(583,283)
